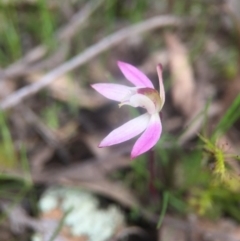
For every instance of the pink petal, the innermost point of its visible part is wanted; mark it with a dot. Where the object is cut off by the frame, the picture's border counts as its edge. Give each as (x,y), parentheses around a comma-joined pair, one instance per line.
(161,86)
(114,91)
(134,75)
(149,138)
(127,131)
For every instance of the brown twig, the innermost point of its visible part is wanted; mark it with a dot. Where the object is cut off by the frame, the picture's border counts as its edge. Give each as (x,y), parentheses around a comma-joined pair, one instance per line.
(91,52)
(47,134)
(50,62)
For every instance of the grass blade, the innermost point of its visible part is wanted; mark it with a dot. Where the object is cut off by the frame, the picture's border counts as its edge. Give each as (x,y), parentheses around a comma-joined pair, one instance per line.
(164,209)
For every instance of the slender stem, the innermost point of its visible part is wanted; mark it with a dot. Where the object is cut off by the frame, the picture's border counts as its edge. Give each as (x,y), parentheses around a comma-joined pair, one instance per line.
(151,168)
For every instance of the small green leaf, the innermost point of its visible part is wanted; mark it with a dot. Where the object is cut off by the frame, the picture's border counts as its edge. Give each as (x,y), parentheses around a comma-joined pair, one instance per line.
(164,208)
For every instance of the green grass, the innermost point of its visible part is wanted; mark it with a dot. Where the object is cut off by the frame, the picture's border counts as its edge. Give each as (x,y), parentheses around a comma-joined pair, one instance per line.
(218,193)
(34,24)
(8,158)
(50,115)
(164,208)
(47,25)
(10,38)
(228,119)
(15,176)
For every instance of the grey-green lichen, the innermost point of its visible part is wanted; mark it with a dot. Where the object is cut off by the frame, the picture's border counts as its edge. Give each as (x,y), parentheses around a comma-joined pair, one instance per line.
(85,218)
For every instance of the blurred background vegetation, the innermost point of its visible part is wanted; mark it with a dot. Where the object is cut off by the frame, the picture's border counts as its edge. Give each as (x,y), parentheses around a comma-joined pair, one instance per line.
(50,139)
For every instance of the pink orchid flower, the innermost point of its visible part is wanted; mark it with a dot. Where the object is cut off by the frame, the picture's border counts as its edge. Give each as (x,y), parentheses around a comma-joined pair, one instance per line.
(142,95)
